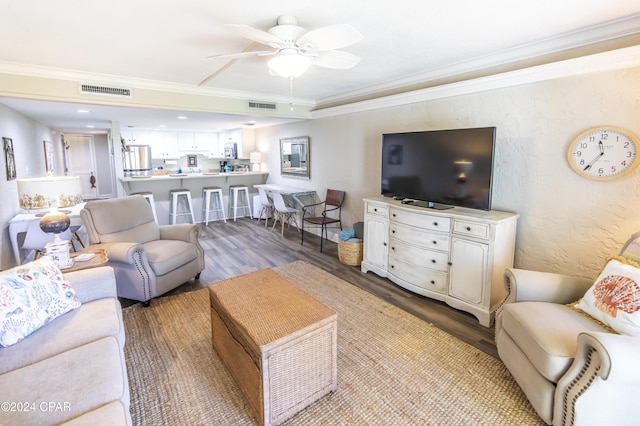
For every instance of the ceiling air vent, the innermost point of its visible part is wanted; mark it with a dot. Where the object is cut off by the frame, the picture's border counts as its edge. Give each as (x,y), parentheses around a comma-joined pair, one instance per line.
(262,105)
(105,90)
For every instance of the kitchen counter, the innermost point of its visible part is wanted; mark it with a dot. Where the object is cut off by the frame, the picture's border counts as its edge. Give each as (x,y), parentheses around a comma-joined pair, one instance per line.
(160,185)
(205,175)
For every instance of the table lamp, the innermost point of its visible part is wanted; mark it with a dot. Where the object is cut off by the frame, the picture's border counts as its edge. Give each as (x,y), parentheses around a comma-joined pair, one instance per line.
(255,158)
(40,194)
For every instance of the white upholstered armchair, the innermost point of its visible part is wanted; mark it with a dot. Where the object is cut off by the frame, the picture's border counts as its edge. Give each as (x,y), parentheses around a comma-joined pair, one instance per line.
(148,260)
(572,368)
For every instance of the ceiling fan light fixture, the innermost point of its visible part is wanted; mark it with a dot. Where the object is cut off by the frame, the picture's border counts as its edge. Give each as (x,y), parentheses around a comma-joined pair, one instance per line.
(289,64)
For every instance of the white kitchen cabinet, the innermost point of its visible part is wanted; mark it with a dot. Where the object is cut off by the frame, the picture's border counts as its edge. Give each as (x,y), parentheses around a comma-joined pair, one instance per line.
(457,255)
(164,145)
(197,142)
(135,137)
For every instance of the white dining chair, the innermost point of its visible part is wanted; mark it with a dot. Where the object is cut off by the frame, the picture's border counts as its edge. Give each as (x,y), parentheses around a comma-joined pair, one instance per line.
(284,213)
(267,207)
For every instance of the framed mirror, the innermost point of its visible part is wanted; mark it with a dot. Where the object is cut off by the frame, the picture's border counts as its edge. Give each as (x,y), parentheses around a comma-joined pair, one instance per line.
(294,157)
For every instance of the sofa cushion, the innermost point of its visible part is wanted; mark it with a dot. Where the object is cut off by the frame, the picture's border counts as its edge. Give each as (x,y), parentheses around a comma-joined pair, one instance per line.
(31,295)
(91,321)
(131,219)
(533,327)
(79,381)
(166,255)
(614,298)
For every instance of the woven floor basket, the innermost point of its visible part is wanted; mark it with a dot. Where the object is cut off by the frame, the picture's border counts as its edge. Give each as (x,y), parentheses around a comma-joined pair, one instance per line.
(350,253)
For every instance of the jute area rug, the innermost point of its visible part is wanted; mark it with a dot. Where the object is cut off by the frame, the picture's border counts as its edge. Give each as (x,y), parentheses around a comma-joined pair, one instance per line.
(393,368)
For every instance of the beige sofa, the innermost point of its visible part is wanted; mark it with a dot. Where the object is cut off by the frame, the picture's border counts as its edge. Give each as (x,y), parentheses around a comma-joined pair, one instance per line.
(72,370)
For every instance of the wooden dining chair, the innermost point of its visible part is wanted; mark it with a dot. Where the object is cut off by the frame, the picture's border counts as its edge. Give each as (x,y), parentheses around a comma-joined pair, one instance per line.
(331,213)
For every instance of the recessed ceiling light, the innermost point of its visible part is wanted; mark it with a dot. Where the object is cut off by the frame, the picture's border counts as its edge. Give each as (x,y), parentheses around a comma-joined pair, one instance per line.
(163,125)
(90,126)
(182,117)
(83,111)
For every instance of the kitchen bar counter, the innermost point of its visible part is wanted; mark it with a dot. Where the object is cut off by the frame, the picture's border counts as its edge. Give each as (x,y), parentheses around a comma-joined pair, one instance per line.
(160,185)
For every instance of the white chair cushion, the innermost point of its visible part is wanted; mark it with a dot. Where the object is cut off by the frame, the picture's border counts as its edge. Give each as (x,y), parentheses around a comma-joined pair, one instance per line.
(534,328)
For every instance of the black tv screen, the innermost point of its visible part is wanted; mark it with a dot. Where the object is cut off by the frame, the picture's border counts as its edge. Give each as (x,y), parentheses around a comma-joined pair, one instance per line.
(440,168)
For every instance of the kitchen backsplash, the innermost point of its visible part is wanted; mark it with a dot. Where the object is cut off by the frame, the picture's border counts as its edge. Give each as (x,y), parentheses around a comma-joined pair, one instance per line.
(202,164)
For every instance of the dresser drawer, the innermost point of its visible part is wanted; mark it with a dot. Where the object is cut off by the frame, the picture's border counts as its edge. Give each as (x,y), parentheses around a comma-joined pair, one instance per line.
(431,259)
(475,229)
(377,209)
(419,237)
(426,278)
(421,220)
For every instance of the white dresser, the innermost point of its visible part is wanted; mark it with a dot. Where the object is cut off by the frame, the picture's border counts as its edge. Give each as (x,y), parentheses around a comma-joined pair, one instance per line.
(457,255)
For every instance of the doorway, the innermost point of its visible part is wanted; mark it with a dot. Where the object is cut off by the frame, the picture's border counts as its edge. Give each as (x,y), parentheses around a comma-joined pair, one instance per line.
(89,157)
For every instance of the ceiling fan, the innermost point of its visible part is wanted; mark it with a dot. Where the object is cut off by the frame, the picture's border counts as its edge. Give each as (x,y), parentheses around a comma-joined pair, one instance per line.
(295,48)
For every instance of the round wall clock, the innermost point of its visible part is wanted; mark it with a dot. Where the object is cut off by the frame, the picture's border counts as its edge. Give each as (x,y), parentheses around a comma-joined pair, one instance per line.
(603,153)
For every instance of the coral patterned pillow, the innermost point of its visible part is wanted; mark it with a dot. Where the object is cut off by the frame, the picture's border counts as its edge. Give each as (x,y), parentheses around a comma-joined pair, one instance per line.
(31,295)
(614,299)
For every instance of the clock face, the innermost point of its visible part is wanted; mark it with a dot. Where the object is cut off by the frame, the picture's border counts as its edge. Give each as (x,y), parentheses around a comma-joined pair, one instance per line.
(604,153)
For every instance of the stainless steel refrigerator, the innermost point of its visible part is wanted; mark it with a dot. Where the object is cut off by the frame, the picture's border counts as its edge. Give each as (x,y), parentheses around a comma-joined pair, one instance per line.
(137,160)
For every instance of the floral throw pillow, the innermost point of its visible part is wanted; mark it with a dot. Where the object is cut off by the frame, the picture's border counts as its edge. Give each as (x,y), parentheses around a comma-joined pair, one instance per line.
(614,298)
(31,295)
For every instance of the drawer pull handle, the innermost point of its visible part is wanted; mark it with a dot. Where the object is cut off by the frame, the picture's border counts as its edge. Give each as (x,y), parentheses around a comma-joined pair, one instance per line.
(435,242)
(392,266)
(433,261)
(468,228)
(435,223)
(393,231)
(375,210)
(449,263)
(393,248)
(433,282)
(384,244)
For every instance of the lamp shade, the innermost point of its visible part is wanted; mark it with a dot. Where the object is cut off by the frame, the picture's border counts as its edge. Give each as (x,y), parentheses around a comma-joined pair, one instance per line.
(49,192)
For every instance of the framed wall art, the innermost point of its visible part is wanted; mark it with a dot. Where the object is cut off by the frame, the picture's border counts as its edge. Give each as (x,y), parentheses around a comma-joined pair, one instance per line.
(10,161)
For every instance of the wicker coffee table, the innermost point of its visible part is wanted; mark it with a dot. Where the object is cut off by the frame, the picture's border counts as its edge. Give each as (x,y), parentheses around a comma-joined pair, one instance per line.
(279,343)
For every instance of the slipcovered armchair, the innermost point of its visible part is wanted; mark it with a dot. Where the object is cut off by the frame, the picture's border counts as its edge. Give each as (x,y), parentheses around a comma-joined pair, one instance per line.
(148,260)
(573,368)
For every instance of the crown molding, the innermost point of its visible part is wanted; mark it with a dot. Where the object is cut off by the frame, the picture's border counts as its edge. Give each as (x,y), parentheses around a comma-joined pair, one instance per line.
(617,59)
(138,83)
(607,31)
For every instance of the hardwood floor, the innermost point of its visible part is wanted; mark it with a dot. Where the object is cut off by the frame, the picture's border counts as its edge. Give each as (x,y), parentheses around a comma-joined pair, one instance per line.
(235,248)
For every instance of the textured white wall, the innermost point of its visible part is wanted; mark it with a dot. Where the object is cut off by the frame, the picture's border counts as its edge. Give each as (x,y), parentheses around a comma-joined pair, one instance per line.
(27,137)
(567,223)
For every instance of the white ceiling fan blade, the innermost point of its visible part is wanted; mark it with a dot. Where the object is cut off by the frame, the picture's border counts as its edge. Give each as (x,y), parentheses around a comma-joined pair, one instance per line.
(256,35)
(330,37)
(336,59)
(241,55)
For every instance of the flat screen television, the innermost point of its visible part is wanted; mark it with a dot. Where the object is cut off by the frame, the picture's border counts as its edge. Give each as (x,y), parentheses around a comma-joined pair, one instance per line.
(440,168)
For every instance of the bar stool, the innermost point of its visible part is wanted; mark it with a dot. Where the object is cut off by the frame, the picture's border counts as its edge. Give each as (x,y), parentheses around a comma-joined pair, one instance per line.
(243,190)
(175,195)
(218,204)
(149,197)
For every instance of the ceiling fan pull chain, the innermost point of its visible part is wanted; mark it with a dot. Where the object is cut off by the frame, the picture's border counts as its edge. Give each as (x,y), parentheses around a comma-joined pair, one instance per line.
(291,93)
